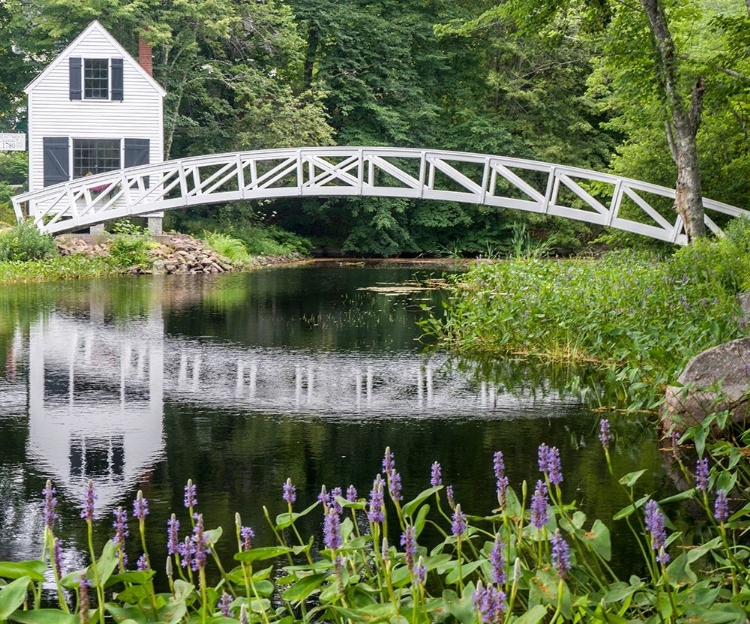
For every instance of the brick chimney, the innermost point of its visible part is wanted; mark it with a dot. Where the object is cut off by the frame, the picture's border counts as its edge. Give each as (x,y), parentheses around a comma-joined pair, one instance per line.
(145,56)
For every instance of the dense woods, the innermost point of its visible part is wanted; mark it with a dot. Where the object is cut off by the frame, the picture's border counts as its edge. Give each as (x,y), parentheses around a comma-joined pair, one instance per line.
(657,90)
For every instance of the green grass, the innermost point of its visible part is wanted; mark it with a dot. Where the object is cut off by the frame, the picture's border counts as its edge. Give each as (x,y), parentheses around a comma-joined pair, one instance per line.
(640,316)
(61,268)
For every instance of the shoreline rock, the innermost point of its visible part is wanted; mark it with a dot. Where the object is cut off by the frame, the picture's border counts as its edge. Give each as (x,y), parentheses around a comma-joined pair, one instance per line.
(171,254)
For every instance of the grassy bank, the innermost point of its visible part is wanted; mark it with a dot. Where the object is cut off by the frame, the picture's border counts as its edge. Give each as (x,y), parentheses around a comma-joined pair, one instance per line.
(639,315)
(28,256)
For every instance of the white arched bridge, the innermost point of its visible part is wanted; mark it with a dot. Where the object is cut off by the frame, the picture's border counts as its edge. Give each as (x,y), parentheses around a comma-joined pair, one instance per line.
(599,198)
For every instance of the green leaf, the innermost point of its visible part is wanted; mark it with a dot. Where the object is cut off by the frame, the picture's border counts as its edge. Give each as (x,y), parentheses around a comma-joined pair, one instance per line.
(716,614)
(183,589)
(461,608)
(284,520)
(626,511)
(678,497)
(304,587)
(173,612)
(107,562)
(120,614)
(599,540)
(620,593)
(12,596)
(630,479)
(134,577)
(43,616)
(34,569)
(419,523)
(679,570)
(533,616)
(412,505)
(261,554)
(466,569)
(214,535)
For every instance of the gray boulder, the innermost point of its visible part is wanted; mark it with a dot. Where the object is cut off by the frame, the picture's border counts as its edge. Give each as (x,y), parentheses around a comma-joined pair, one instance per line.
(727,367)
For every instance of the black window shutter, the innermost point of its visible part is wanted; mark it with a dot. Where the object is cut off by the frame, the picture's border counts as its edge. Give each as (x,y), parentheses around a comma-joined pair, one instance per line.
(56,160)
(117,85)
(76,92)
(137,153)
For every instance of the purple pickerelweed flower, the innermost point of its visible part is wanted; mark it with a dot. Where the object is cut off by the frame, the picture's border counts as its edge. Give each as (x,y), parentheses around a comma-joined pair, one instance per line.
(409,542)
(289,492)
(420,571)
(173,541)
(458,525)
(332,530)
(186,551)
(140,507)
(57,557)
(554,465)
(88,502)
(497,563)
(449,496)
(200,542)
(121,526)
(190,499)
(501,486)
(701,475)
(655,526)
(605,435)
(377,503)
(50,503)
(721,506)
(560,554)
(335,495)
(436,475)
(324,498)
(143,563)
(247,535)
(389,463)
(83,595)
(543,456)
(224,604)
(394,486)
(351,494)
(539,505)
(489,602)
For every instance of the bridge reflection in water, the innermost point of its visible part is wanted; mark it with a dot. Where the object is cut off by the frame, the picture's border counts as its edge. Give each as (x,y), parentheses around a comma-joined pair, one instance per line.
(97,391)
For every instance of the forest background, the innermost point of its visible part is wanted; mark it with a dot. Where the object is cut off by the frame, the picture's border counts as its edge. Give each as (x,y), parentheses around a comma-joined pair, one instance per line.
(576,82)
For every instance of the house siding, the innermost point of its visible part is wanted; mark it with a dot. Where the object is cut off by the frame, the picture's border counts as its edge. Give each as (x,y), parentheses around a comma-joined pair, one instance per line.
(53,114)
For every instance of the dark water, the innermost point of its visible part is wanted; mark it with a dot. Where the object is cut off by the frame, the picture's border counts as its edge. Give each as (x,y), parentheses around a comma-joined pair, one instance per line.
(241,381)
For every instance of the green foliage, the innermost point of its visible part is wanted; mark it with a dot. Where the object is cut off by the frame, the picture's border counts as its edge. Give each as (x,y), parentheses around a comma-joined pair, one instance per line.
(227,246)
(637,315)
(540,557)
(130,249)
(24,242)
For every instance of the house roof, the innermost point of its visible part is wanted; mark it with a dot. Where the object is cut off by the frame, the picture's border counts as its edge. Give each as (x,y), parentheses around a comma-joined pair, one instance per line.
(95,25)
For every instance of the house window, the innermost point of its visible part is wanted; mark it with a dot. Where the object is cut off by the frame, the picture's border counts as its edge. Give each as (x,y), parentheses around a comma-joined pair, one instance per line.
(92,156)
(96,79)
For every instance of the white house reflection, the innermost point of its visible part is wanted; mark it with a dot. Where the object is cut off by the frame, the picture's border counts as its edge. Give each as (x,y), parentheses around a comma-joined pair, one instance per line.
(96,396)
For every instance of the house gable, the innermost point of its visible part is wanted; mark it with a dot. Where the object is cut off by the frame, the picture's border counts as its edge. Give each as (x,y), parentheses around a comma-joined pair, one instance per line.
(105,45)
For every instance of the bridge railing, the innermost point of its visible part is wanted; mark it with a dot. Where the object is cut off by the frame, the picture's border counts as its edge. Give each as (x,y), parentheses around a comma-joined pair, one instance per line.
(490,180)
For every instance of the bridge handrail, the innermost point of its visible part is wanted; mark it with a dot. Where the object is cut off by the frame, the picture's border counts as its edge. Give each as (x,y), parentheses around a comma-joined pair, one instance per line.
(74,198)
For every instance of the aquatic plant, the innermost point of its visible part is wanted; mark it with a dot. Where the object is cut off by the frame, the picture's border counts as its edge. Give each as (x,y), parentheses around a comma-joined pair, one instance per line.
(526,562)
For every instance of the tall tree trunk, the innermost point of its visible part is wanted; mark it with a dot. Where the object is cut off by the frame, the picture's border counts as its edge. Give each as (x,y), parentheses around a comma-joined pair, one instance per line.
(311,53)
(683,128)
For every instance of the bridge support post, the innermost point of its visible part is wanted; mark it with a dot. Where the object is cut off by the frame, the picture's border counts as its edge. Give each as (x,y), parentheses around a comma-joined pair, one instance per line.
(97,229)
(155,223)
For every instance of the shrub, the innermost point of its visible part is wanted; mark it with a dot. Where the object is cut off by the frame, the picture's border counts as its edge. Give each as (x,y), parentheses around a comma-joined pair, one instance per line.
(226,245)
(25,242)
(130,248)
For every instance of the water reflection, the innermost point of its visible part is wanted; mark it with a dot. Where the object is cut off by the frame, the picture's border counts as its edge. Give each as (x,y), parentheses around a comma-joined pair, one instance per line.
(142,384)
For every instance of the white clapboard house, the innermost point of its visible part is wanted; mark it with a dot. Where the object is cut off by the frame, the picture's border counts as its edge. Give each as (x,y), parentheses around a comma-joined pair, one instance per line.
(94,109)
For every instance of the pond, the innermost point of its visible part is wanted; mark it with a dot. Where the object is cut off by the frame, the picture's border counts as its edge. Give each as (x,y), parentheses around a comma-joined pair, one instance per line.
(241,381)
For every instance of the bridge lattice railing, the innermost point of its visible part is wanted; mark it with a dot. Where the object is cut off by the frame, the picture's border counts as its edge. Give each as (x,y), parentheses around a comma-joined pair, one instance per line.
(532,186)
